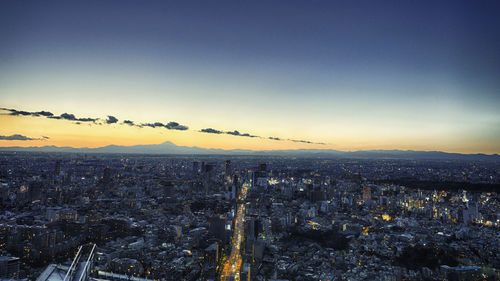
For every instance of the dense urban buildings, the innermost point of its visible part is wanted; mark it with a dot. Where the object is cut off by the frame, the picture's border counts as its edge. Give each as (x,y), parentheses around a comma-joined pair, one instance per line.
(220,217)
(283,140)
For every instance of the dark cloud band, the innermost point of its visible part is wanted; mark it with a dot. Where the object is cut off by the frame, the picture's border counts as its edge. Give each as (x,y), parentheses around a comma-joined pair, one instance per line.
(233,133)
(305,141)
(211,131)
(113,120)
(21,138)
(169,125)
(236,133)
(64,116)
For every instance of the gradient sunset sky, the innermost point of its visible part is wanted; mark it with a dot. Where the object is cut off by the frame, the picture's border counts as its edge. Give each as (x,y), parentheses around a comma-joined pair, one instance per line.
(347,75)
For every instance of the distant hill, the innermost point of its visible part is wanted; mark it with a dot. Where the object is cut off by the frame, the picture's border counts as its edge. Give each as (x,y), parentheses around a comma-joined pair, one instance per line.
(170,148)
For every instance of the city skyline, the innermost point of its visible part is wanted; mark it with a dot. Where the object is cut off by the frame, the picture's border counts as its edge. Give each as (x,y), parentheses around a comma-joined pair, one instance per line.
(261,76)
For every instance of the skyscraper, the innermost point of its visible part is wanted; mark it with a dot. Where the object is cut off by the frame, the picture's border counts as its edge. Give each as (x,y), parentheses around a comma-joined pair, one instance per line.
(57,169)
(106,175)
(367,193)
(227,174)
(196,166)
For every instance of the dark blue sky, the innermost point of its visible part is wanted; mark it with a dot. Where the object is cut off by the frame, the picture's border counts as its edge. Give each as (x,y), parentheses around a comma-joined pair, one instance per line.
(419,62)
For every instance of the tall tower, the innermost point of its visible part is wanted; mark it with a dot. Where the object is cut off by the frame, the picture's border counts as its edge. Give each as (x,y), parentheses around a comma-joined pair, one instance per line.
(57,168)
(262,167)
(227,174)
(106,175)
(367,193)
(196,166)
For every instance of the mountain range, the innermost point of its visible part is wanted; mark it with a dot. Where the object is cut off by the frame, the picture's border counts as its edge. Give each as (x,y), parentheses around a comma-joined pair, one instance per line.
(170,148)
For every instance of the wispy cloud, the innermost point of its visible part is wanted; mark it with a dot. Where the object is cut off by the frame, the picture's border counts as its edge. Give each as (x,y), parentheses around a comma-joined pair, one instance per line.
(64,116)
(233,133)
(236,133)
(22,138)
(176,126)
(72,117)
(169,125)
(113,120)
(211,131)
(306,141)
(27,113)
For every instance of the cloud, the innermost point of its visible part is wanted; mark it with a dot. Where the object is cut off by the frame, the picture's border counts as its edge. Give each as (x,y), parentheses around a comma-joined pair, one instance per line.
(72,117)
(21,138)
(47,114)
(17,112)
(87,119)
(306,141)
(65,116)
(147,125)
(169,125)
(211,131)
(79,119)
(15,137)
(237,133)
(176,126)
(303,141)
(111,120)
(153,125)
(44,113)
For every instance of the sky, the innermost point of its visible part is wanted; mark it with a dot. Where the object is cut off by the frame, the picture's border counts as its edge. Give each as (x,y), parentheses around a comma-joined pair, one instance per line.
(346,75)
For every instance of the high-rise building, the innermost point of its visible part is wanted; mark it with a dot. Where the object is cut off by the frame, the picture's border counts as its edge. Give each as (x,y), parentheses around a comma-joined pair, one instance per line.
(106,175)
(57,169)
(234,192)
(251,228)
(367,193)
(262,167)
(236,180)
(217,227)
(196,166)
(228,170)
(9,267)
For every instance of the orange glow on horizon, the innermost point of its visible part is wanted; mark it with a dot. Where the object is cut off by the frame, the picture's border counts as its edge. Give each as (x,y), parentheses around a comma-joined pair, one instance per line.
(66,133)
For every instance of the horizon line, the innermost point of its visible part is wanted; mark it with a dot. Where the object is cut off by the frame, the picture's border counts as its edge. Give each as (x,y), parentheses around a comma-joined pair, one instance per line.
(259,150)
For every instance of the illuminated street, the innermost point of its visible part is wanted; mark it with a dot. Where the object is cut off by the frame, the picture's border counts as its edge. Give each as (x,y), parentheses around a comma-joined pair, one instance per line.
(232,266)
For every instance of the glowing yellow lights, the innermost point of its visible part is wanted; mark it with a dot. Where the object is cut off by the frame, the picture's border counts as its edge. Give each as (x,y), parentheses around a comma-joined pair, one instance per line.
(386,217)
(273,181)
(365,230)
(233,263)
(314,225)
